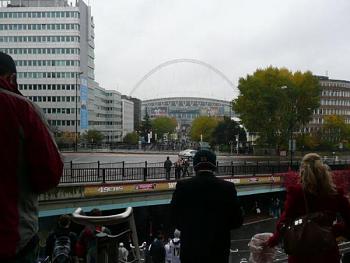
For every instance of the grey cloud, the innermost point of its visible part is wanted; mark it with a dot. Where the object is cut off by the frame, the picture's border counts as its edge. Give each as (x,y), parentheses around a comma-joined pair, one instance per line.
(235,36)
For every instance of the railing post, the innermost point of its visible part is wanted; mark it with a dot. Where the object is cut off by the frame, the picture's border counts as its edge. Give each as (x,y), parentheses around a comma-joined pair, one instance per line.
(123,170)
(145,172)
(245,167)
(98,168)
(71,168)
(257,168)
(217,167)
(232,169)
(104,175)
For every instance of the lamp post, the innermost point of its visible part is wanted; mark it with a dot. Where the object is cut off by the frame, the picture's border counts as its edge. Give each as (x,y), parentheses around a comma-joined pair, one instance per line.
(77,75)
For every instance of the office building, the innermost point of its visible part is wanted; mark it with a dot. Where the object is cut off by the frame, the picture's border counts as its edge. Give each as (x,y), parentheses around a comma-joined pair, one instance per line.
(128,116)
(52,43)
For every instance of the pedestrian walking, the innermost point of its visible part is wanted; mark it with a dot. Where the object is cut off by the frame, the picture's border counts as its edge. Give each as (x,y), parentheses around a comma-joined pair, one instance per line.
(123,253)
(205,208)
(174,246)
(178,169)
(185,165)
(60,244)
(157,249)
(167,167)
(30,165)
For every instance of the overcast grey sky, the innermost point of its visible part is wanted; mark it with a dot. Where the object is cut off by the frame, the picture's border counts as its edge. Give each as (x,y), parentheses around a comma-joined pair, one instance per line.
(234,36)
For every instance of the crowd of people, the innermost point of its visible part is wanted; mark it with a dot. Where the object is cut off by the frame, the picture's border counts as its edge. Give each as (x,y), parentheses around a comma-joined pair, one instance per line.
(65,246)
(181,167)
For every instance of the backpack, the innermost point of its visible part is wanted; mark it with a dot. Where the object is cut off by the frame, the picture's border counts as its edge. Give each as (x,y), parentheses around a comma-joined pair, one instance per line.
(61,250)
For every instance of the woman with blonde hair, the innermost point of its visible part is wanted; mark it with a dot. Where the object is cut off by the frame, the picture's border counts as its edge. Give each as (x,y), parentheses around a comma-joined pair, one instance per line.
(316,188)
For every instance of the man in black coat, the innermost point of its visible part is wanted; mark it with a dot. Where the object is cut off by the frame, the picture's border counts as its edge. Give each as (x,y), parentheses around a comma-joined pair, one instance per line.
(167,167)
(205,209)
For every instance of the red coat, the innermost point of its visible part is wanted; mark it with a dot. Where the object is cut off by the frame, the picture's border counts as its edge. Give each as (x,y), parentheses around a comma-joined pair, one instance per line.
(30,165)
(295,207)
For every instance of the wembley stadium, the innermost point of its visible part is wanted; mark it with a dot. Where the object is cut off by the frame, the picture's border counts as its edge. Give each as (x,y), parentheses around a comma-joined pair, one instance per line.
(186,109)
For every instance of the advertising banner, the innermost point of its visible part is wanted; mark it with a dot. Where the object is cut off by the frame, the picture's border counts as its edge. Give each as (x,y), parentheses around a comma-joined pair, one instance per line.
(84,118)
(158,111)
(147,187)
(113,189)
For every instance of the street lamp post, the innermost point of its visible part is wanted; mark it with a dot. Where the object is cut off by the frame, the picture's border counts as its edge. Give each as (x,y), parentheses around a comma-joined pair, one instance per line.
(77,75)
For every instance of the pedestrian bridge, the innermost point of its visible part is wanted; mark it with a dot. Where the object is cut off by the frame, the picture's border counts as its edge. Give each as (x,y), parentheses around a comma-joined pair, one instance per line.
(115,195)
(122,185)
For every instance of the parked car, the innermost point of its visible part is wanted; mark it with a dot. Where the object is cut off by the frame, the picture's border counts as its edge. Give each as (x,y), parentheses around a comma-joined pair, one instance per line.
(187,154)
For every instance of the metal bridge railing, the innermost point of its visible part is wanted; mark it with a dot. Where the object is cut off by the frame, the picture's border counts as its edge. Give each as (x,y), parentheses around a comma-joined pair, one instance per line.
(117,172)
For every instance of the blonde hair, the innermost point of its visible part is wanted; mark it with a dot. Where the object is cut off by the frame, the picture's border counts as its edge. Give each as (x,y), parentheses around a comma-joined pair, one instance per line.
(315,176)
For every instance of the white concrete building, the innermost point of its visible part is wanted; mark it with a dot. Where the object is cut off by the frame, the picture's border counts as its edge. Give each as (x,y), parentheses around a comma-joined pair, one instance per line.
(52,43)
(128,116)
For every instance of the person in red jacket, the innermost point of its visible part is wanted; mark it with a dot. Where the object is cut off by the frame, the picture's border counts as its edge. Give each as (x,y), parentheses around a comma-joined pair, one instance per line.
(321,195)
(30,165)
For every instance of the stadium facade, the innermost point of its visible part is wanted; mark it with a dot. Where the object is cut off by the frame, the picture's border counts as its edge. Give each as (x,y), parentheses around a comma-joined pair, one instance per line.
(52,43)
(186,109)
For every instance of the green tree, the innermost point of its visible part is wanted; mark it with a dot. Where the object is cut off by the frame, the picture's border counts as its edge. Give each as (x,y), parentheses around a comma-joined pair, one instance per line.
(92,136)
(204,126)
(226,130)
(334,129)
(131,138)
(65,138)
(308,141)
(276,102)
(162,125)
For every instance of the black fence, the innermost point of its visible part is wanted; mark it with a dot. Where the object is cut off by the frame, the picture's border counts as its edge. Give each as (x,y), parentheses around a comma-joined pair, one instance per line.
(127,172)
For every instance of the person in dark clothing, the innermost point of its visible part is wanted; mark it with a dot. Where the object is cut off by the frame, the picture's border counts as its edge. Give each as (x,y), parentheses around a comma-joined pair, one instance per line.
(61,236)
(178,168)
(87,242)
(167,167)
(157,249)
(185,165)
(30,165)
(205,208)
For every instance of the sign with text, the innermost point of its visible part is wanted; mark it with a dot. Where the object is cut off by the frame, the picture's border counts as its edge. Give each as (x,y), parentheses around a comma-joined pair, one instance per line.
(113,189)
(146,187)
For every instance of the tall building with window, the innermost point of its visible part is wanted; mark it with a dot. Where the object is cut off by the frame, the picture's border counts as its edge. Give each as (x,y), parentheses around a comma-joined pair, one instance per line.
(334,100)
(52,43)
(128,116)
